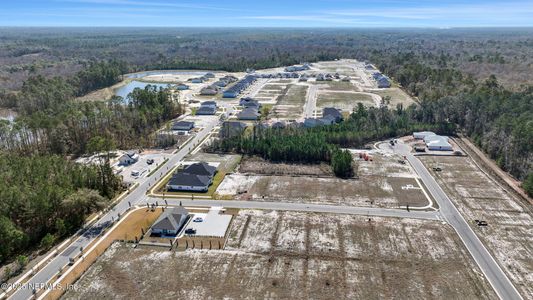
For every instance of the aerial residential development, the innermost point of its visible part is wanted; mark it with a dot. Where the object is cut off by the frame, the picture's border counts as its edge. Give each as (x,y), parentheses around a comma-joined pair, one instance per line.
(265,163)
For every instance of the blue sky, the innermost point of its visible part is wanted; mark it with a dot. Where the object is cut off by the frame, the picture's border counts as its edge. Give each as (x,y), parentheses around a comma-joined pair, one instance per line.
(272,13)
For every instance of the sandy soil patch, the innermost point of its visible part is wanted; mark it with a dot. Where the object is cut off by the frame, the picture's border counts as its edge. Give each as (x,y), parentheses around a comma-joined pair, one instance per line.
(282,255)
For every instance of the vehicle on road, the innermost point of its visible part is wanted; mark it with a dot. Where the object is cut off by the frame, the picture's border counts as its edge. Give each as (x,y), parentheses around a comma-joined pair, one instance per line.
(135,173)
(71,261)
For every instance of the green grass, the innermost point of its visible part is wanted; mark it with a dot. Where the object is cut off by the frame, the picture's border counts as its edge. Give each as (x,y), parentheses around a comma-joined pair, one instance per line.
(344,101)
(397,96)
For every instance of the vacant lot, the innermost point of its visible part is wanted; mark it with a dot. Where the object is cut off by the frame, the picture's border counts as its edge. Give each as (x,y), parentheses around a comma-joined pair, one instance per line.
(290,103)
(284,255)
(340,86)
(370,191)
(344,100)
(383,182)
(396,96)
(256,165)
(510,231)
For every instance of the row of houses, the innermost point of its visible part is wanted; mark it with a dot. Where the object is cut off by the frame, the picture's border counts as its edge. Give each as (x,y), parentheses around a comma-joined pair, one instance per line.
(330,116)
(329,77)
(214,88)
(202,79)
(250,110)
(382,80)
(303,67)
(433,141)
(196,177)
(240,86)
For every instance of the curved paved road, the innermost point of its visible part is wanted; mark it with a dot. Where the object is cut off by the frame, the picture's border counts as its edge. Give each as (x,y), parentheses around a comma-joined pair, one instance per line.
(492,271)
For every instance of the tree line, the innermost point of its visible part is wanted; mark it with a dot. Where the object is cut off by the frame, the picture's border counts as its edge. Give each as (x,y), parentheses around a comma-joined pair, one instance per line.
(324,143)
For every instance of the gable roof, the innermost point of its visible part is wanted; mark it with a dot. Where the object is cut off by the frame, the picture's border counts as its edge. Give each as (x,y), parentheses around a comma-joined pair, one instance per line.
(185,179)
(206,110)
(209,103)
(183,124)
(200,168)
(333,112)
(171,219)
(248,113)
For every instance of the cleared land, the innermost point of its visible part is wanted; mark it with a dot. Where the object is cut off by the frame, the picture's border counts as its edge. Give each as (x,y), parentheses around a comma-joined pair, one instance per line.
(272,254)
(290,103)
(344,100)
(340,86)
(256,165)
(397,96)
(509,232)
(382,183)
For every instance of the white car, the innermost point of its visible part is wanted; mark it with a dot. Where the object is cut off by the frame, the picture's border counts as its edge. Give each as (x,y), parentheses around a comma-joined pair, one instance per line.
(135,173)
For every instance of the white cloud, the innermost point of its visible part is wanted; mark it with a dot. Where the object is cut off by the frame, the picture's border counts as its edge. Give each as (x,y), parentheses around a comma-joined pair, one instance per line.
(150,4)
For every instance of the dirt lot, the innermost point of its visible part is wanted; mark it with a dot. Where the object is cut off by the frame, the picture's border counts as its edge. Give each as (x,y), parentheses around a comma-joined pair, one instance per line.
(510,231)
(367,192)
(275,255)
(382,182)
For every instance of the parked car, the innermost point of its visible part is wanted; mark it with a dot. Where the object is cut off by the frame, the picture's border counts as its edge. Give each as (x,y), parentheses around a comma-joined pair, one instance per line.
(150,161)
(190,231)
(135,173)
(198,219)
(437,169)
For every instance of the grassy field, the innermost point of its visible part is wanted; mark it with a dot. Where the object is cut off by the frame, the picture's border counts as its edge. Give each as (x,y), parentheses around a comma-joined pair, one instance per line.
(397,96)
(291,255)
(345,101)
(340,86)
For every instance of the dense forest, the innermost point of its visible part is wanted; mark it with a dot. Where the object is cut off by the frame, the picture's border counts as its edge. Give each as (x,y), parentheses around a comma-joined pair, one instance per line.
(324,143)
(45,195)
(50,121)
(45,198)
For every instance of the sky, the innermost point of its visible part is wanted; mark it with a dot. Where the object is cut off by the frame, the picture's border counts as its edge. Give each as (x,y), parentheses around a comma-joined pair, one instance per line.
(268,13)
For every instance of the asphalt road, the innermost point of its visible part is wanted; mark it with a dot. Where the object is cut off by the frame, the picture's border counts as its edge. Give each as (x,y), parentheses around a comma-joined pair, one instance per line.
(492,271)
(321,208)
(50,270)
